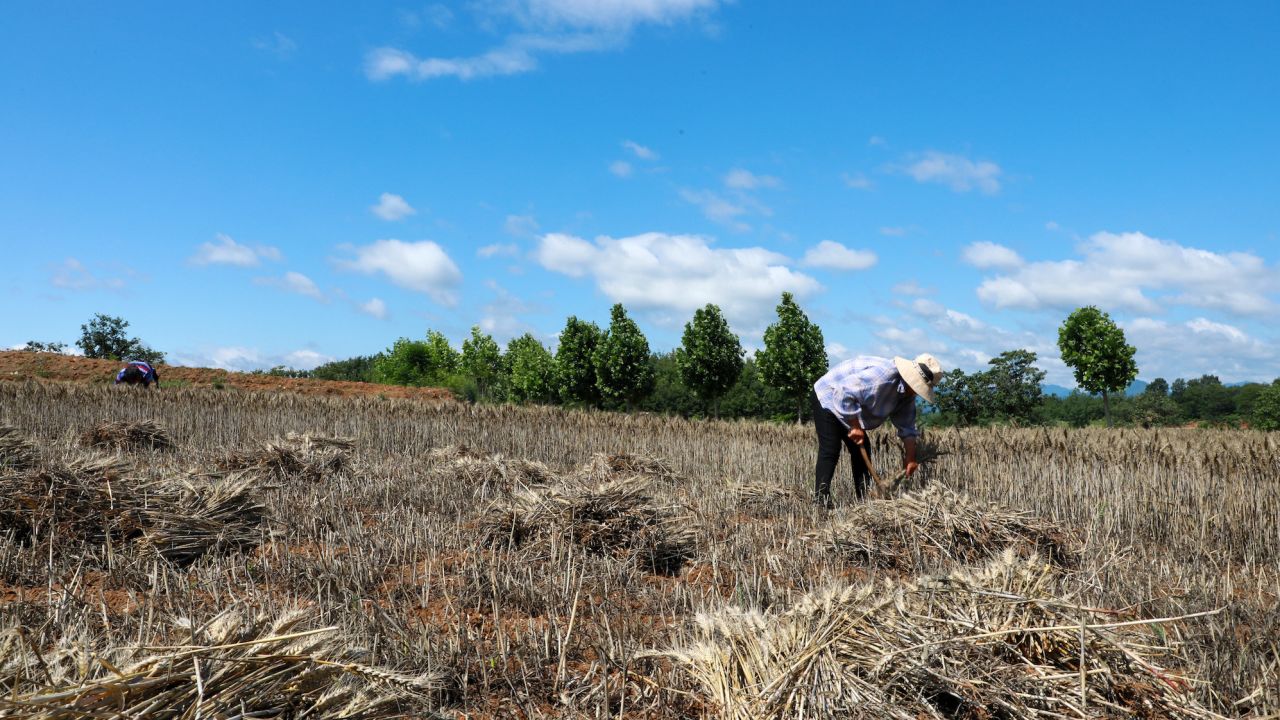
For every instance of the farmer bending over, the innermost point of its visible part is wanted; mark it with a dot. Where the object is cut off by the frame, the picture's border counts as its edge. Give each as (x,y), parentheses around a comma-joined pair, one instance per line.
(137,372)
(859,395)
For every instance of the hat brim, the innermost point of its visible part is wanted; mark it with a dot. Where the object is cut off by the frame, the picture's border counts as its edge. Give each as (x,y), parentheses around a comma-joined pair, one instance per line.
(911,375)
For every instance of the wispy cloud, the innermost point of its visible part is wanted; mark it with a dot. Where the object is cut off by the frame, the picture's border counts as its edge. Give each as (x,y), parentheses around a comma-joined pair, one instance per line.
(857,181)
(621,168)
(71,274)
(955,171)
(498,250)
(521,226)
(537,28)
(392,207)
(991,255)
(279,44)
(293,282)
(226,251)
(740,179)
(639,150)
(834,256)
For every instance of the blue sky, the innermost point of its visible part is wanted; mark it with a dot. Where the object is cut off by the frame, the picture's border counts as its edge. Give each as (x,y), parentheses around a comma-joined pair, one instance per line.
(251,185)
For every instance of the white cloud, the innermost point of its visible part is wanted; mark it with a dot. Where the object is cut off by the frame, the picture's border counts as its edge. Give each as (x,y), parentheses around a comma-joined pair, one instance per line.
(740,179)
(502,317)
(226,251)
(990,255)
(294,282)
(876,141)
(639,150)
(539,27)
(245,359)
(499,250)
(1116,272)
(375,307)
(1200,347)
(621,168)
(672,275)
(893,231)
(858,181)
(955,171)
(717,208)
(392,207)
(521,225)
(834,256)
(837,352)
(421,266)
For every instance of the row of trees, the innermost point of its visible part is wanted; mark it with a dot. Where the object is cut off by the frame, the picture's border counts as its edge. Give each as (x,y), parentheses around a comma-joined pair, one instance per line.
(611,367)
(104,338)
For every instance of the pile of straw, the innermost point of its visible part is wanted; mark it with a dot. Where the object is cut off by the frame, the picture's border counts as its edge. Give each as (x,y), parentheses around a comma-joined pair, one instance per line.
(308,457)
(16,452)
(216,517)
(241,667)
(86,501)
(124,435)
(602,467)
(99,501)
(617,518)
(486,475)
(990,643)
(933,527)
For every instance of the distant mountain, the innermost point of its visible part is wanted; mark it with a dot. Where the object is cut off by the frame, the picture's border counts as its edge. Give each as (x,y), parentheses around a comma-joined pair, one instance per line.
(1136,388)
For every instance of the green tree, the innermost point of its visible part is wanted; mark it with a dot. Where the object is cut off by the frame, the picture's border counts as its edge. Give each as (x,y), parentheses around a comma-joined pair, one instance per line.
(356,369)
(1095,349)
(104,337)
(533,370)
(482,362)
(670,395)
(575,362)
(794,354)
(1013,384)
(710,356)
(623,372)
(432,362)
(1266,408)
(1158,387)
(44,347)
(961,398)
(1205,398)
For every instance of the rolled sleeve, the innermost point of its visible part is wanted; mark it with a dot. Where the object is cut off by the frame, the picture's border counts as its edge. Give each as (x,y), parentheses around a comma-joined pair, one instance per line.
(905,420)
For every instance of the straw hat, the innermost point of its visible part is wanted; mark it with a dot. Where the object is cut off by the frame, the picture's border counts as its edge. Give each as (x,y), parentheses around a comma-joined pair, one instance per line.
(922,374)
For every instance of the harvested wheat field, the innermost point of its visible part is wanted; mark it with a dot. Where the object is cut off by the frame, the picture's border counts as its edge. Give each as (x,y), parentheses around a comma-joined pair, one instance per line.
(197,553)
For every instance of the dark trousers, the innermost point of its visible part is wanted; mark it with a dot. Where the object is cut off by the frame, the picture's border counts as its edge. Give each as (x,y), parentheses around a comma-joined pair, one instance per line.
(831,435)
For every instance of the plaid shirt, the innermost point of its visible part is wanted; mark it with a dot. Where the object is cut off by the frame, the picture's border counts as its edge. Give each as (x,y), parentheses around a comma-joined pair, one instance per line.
(868,388)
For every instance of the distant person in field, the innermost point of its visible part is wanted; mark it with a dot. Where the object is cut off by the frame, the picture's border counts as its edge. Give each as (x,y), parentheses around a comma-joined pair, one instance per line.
(138,372)
(859,395)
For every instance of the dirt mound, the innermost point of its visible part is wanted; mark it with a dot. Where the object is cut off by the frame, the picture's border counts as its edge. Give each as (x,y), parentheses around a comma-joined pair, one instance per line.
(23,365)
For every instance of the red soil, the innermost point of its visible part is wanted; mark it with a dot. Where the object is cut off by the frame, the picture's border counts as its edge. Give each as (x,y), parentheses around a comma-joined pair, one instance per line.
(22,365)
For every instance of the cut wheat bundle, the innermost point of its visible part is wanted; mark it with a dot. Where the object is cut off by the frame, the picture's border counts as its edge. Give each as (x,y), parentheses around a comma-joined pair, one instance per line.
(494,474)
(995,642)
(923,530)
(601,467)
(616,518)
(126,435)
(239,667)
(89,500)
(308,457)
(221,515)
(16,452)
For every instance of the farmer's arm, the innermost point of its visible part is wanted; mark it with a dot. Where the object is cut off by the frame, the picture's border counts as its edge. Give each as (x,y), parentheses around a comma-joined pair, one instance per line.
(905,420)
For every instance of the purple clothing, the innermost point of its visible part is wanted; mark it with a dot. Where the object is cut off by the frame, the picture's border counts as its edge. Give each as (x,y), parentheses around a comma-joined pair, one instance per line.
(868,389)
(148,373)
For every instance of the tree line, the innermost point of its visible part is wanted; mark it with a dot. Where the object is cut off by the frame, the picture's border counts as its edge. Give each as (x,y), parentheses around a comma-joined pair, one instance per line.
(708,375)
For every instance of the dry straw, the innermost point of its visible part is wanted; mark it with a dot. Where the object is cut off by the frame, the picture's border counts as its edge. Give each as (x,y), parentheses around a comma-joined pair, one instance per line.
(239,666)
(125,435)
(995,642)
(309,457)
